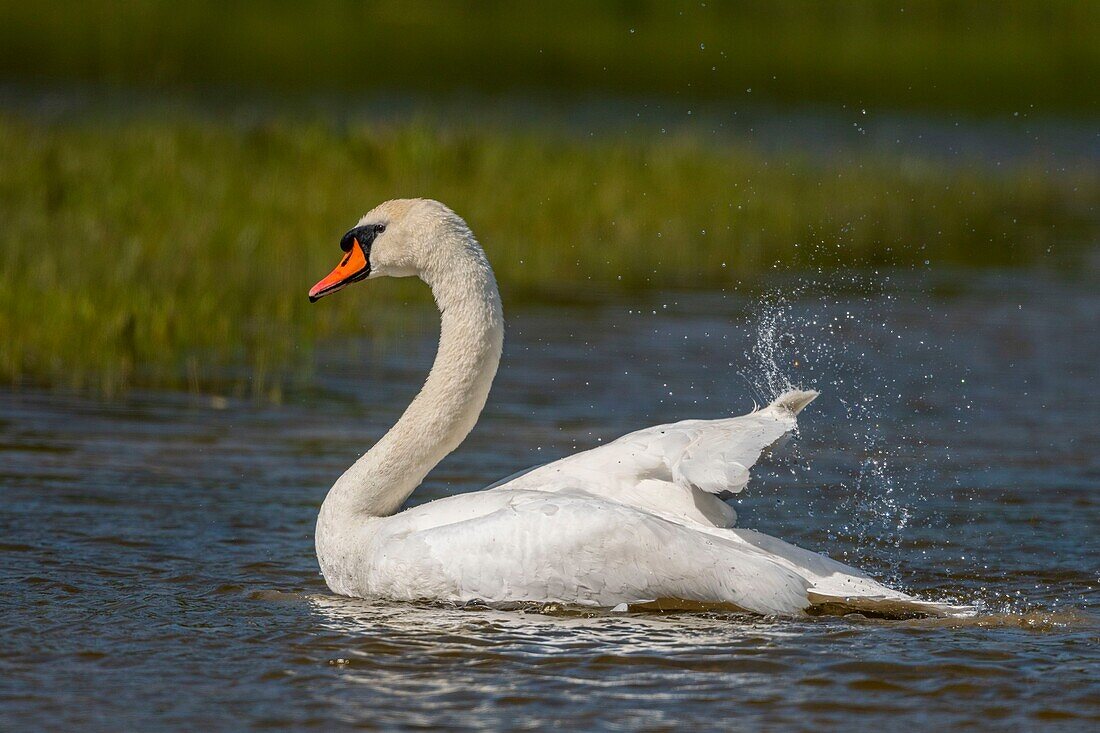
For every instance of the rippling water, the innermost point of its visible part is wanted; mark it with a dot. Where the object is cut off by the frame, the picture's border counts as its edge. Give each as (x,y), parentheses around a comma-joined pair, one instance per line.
(158,566)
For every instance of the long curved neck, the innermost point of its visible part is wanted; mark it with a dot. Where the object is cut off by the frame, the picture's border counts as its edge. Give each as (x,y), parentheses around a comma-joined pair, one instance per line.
(447,407)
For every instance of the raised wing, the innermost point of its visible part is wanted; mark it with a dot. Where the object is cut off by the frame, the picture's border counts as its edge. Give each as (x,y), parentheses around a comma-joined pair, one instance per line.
(678,470)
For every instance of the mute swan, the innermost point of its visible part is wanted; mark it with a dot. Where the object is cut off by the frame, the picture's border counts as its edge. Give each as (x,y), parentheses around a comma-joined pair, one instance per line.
(634,521)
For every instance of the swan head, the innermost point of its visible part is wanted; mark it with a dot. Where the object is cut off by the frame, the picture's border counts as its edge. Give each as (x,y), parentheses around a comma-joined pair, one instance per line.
(398,238)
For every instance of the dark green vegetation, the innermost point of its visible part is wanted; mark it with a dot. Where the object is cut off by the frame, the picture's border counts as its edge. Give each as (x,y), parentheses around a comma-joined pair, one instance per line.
(975,57)
(175,247)
(168,249)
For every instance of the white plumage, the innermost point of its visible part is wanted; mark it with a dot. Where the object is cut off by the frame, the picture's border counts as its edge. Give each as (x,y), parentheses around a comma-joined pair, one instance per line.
(633,521)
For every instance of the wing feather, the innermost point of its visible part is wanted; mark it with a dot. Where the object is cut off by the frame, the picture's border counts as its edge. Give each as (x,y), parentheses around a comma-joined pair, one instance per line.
(675,470)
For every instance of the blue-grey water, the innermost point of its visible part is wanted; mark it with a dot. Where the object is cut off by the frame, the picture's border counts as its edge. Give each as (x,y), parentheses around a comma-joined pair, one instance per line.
(158,569)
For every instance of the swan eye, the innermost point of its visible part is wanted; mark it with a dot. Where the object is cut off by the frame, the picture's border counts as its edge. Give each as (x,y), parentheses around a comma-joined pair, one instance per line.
(379,228)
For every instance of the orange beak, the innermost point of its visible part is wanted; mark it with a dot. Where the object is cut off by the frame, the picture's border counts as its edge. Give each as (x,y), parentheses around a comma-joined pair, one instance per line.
(353,268)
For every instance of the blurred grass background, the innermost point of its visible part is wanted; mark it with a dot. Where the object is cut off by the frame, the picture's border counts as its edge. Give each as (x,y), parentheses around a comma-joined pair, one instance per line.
(980,55)
(172,245)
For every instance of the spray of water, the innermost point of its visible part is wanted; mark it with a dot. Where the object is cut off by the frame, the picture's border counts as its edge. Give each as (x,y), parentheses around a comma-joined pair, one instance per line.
(831,332)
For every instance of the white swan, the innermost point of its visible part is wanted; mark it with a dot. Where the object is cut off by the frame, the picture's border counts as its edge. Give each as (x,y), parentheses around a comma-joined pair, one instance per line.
(635,521)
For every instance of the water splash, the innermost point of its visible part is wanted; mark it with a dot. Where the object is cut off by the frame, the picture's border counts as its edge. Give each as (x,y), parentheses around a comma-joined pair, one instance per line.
(818,332)
(770,347)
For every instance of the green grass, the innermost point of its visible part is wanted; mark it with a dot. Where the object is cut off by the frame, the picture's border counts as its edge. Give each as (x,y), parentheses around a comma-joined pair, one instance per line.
(974,57)
(165,249)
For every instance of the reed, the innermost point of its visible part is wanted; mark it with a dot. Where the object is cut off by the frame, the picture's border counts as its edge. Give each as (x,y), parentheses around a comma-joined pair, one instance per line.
(173,249)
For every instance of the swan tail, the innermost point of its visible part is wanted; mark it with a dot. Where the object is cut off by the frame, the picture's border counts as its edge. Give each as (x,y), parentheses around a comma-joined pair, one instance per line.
(895,606)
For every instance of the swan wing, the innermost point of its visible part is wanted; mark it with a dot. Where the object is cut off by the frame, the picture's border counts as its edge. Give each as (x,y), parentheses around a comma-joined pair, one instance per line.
(570,548)
(842,587)
(576,548)
(679,470)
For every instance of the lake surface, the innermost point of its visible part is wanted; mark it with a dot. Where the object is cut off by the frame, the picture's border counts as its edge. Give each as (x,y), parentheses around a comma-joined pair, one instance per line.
(158,568)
